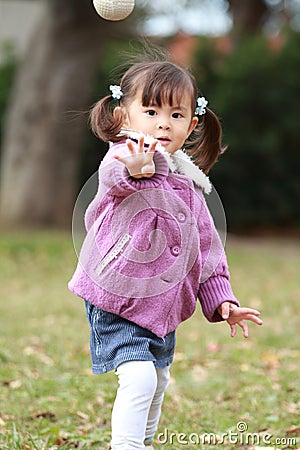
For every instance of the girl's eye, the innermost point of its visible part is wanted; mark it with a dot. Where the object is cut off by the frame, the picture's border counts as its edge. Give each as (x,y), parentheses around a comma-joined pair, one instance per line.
(151,112)
(177,115)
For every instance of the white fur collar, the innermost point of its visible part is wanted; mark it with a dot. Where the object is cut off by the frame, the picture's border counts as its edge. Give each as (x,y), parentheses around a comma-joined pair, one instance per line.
(178,162)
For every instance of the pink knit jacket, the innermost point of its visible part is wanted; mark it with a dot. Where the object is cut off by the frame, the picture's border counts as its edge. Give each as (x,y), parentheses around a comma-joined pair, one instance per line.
(151,247)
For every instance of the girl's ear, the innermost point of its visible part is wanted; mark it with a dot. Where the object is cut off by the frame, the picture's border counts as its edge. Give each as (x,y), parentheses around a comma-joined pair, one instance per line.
(193,124)
(120,114)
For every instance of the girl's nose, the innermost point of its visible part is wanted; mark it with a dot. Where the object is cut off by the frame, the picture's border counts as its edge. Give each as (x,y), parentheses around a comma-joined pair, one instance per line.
(163,126)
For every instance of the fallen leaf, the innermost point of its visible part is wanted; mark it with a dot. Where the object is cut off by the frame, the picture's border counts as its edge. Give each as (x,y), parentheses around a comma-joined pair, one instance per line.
(100,400)
(61,441)
(82,415)
(294,431)
(292,408)
(13,384)
(44,415)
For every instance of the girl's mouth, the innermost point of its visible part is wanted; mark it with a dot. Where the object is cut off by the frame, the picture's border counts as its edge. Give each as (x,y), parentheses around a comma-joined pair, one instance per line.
(164,140)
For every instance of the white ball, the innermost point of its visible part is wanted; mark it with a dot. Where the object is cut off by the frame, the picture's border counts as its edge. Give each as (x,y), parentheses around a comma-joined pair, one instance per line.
(114,9)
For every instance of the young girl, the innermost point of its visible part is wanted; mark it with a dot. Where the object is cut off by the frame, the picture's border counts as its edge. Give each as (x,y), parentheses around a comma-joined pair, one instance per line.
(151,247)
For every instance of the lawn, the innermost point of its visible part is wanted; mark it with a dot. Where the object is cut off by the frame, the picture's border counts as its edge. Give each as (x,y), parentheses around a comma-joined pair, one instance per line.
(224,393)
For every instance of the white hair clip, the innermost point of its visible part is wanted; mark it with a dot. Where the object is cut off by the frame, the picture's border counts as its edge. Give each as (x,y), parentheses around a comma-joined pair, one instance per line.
(202,103)
(116,92)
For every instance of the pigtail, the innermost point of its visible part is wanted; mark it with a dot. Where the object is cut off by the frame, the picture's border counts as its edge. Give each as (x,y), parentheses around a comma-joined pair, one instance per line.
(205,144)
(103,122)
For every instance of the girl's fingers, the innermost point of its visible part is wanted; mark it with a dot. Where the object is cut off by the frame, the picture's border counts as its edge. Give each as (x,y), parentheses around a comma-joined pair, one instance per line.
(225,309)
(139,163)
(243,311)
(141,144)
(239,316)
(255,319)
(130,146)
(152,146)
(233,330)
(249,317)
(252,311)
(244,327)
(245,314)
(252,318)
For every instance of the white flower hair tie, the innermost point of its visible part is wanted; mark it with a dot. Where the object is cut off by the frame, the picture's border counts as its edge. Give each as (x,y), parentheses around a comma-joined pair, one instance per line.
(116,91)
(202,103)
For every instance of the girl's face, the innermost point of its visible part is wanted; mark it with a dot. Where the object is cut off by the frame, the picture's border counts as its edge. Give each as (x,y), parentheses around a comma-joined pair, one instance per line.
(170,125)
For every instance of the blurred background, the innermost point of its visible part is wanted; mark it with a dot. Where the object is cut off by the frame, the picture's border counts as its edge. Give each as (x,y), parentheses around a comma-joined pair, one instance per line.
(57,58)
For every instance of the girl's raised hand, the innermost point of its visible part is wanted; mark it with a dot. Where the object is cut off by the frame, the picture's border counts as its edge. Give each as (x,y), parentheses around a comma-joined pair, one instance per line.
(235,315)
(139,162)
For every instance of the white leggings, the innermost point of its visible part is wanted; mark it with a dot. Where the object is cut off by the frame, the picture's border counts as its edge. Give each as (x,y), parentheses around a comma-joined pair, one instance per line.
(137,407)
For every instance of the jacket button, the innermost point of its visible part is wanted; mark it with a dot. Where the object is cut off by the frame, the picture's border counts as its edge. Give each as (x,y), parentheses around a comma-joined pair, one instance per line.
(181,217)
(175,250)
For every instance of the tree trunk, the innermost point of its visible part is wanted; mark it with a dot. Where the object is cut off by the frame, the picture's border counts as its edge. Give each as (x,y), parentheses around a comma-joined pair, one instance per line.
(248,16)
(42,141)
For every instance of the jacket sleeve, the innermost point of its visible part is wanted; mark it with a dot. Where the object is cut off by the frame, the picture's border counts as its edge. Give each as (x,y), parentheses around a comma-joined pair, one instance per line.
(114,180)
(214,288)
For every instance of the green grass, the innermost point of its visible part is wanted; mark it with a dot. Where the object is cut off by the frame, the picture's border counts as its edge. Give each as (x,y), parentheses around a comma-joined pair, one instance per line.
(50,400)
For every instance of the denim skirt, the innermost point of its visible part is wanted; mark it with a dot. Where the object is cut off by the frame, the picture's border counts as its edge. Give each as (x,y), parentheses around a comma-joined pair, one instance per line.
(115,340)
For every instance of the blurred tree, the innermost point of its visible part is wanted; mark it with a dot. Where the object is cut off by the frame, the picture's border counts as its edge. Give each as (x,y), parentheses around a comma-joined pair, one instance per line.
(7,70)
(42,140)
(252,16)
(243,17)
(248,16)
(255,91)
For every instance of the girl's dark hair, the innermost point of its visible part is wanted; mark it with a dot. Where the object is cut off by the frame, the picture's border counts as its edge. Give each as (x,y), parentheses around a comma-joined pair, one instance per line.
(161,82)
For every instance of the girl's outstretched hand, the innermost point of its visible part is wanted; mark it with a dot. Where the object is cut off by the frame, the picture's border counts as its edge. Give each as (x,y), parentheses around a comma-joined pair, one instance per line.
(235,315)
(139,162)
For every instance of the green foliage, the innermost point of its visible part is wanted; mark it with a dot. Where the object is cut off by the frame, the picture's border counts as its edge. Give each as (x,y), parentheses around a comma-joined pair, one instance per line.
(256,94)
